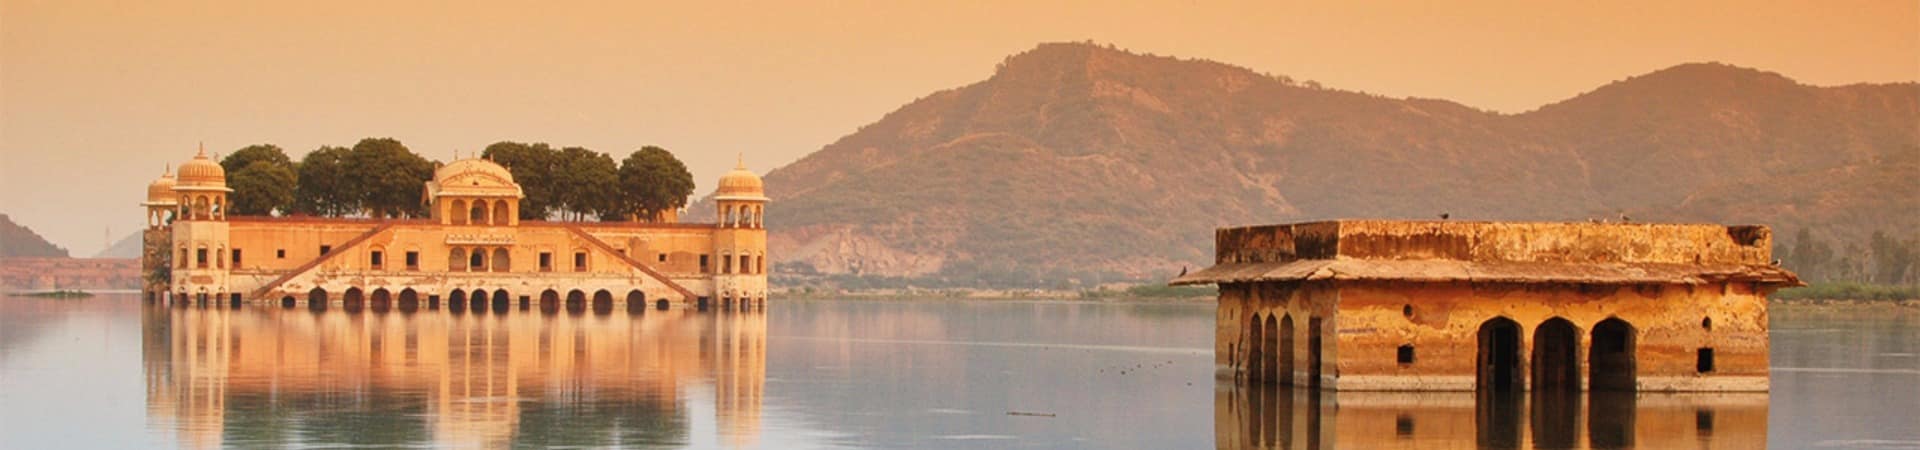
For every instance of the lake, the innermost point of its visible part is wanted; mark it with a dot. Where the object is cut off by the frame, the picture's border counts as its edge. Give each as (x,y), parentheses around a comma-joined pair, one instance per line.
(111,372)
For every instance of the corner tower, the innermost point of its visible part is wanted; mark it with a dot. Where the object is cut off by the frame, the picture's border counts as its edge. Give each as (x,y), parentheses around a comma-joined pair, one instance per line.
(740,243)
(156,240)
(200,234)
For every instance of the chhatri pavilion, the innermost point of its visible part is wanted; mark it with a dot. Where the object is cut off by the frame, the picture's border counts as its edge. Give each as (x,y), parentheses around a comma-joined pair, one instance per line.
(472,251)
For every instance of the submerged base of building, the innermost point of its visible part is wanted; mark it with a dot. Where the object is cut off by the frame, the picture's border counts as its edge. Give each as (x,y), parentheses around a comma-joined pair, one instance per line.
(1461,306)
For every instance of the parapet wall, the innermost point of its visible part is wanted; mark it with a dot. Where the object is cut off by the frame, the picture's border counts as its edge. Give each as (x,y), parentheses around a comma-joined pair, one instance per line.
(1524,242)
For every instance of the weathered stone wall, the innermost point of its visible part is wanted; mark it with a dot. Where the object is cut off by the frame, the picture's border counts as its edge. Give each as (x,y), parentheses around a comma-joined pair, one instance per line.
(1496,242)
(1277,308)
(1442,321)
(1298,418)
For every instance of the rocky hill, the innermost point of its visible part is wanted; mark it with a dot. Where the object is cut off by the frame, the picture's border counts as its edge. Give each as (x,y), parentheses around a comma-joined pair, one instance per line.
(1076,160)
(20,242)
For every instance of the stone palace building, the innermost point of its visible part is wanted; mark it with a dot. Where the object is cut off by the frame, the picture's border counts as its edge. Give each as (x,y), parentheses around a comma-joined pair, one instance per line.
(472,251)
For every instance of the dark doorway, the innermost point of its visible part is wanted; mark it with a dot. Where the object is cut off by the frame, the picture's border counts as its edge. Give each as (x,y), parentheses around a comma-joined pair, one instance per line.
(602,302)
(1314,358)
(1256,355)
(636,301)
(353,300)
(1285,350)
(549,301)
(502,301)
(382,301)
(1556,358)
(477,302)
(1610,361)
(1270,348)
(576,301)
(1498,361)
(457,301)
(317,299)
(409,300)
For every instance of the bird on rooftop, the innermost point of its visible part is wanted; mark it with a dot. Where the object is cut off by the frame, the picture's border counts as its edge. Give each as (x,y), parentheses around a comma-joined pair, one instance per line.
(1183,271)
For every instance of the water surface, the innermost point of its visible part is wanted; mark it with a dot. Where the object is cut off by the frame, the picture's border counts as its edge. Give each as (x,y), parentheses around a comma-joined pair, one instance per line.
(109,372)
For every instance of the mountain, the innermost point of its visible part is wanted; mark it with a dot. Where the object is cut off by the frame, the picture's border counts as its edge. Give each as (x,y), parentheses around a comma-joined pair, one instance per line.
(1081,161)
(19,242)
(126,247)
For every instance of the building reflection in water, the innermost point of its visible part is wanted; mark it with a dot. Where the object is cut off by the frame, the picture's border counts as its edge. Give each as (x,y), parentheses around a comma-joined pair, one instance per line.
(259,377)
(1280,417)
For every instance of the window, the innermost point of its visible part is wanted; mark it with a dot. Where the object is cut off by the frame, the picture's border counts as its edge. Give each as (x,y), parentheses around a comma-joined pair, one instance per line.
(726,264)
(663,257)
(1406,355)
(579,261)
(705,267)
(413,260)
(325,249)
(746,265)
(236,258)
(378,259)
(546,261)
(280,253)
(1703,361)
(200,258)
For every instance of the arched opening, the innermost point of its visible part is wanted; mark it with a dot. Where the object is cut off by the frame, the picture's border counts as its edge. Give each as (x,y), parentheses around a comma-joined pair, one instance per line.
(1610,360)
(457,260)
(636,301)
(1315,361)
(1556,356)
(576,301)
(500,260)
(549,301)
(502,300)
(354,300)
(317,298)
(602,302)
(1270,371)
(1256,354)
(500,212)
(409,300)
(477,261)
(285,302)
(660,304)
(477,301)
(459,212)
(1285,349)
(457,300)
(381,300)
(478,215)
(1498,359)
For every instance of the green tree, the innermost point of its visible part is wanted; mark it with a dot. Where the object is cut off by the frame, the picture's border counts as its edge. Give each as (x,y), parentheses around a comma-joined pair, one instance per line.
(652,180)
(323,187)
(262,188)
(1810,256)
(585,183)
(387,178)
(262,179)
(532,166)
(1891,258)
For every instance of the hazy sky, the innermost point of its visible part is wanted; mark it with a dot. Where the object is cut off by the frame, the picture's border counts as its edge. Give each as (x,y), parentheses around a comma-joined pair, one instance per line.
(95,97)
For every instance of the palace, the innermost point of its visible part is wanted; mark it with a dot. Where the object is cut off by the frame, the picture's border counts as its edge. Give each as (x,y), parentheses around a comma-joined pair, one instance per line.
(472,250)
(1425,306)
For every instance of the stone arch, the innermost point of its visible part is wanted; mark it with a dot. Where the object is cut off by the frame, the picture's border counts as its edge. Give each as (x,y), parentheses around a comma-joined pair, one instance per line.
(409,300)
(1284,350)
(636,301)
(576,301)
(381,300)
(477,214)
(500,212)
(1271,370)
(477,301)
(602,302)
(317,298)
(457,300)
(502,300)
(1256,355)
(661,304)
(549,301)
(458,213)
(477,260)
(501,260)
(1556,356)
(1497,362)
(1610,356)
(353,299)
(457,260)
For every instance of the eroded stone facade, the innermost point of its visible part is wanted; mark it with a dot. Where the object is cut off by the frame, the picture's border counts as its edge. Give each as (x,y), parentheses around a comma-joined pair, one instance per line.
(1390,305)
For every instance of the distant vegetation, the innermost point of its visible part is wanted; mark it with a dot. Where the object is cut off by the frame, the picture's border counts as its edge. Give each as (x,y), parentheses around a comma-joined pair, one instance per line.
(381,177)
(1882,260)
(1154,291)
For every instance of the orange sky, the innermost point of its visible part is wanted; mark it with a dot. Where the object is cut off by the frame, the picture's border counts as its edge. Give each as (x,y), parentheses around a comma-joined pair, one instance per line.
(96,96)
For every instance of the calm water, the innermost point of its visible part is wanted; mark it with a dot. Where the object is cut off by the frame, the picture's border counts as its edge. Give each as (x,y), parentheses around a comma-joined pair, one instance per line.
(109,372)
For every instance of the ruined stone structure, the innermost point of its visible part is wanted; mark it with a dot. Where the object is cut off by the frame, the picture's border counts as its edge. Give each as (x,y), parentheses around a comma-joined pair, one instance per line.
(473,251)
(1393,305)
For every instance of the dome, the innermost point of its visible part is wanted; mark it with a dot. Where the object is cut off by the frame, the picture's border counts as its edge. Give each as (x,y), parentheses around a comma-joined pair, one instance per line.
(741,182)
(474,167)
(202,173)
(160,191)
